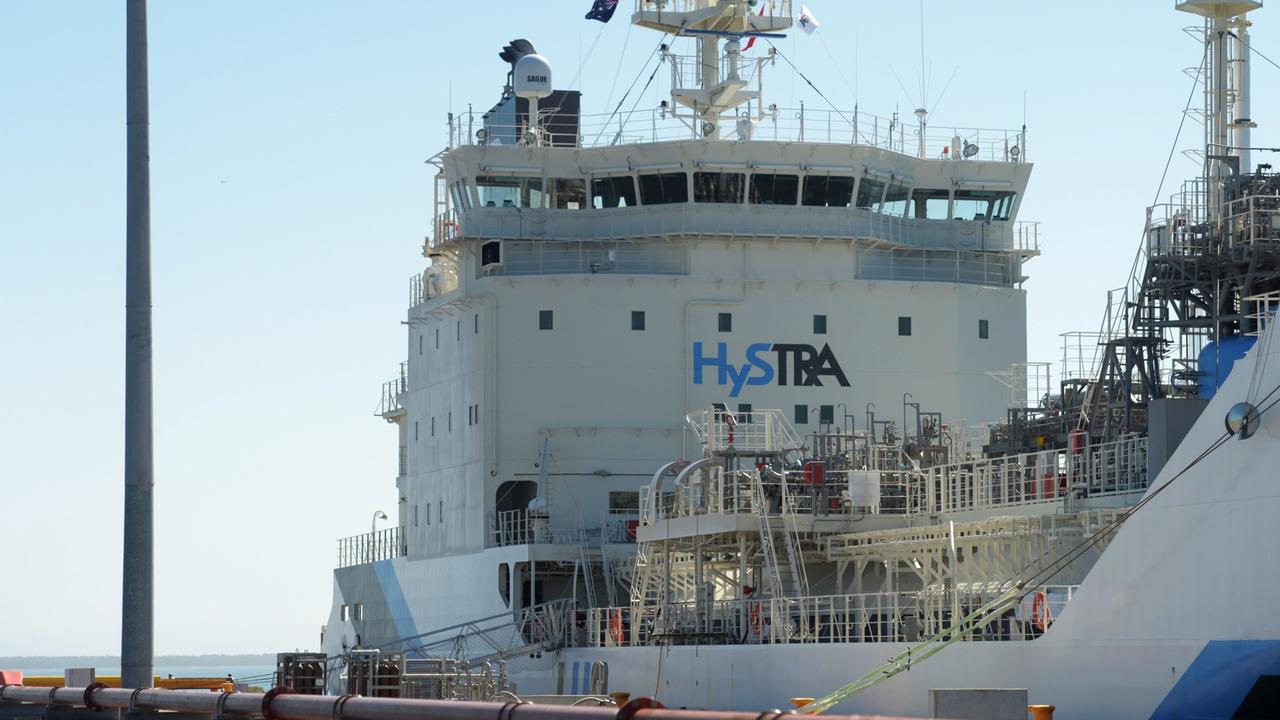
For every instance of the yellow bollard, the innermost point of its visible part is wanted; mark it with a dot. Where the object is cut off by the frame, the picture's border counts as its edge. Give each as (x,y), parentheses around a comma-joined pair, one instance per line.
(800,702)
(1041,712)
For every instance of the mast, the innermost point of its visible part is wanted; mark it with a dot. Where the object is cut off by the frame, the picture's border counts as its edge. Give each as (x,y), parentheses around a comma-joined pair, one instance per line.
(1227,122)
(136,623)
(710,22)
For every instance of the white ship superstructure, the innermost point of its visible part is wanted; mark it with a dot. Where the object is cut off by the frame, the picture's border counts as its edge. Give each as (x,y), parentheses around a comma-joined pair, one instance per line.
(744,390)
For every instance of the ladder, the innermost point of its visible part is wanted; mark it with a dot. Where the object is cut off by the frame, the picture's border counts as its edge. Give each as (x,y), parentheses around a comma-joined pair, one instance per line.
(606,565)
(799,580)
(585,555)
(761,503)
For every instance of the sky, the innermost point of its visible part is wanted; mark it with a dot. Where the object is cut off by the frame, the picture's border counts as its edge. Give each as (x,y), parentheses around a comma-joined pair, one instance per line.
(289,203)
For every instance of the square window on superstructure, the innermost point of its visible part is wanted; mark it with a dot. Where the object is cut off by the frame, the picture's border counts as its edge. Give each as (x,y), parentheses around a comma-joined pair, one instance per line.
(568,193)
(870,190)
(415,516)
(419,344)
(624,502)
(819,324)
(984,330)
(359,612)
(664,188)
(475,324)
(801,416)
(774,189)
(437,338)
(613,192)
(343,614)
(826,414)
(457,329)
(718,187)
(428,512)
(440,511)
(450,421)
(433,427)
(724,321)
(546,319)
(904,325)
(930,204)
(744,413)
(415,430)
(827,191)
(637,320)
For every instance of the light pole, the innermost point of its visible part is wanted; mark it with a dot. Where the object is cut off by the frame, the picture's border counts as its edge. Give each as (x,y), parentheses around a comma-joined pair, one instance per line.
(373,531)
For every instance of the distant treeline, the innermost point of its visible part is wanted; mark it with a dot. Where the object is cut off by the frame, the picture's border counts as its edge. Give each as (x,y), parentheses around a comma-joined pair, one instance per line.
(114,660)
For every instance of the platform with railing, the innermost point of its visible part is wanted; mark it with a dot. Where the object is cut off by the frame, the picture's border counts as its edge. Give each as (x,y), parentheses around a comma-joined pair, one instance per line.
(371,547)
(803,124)
(526,527)
(856,618)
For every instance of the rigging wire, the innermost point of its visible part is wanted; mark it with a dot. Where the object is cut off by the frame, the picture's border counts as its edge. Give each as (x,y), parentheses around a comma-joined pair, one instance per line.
(656,48)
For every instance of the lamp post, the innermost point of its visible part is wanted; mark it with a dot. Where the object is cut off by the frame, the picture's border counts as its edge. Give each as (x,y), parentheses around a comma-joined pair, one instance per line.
(373,531)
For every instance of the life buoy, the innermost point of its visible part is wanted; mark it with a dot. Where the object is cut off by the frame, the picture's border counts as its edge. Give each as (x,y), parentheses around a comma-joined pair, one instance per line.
(1041,618)
(615,626)
(756,622)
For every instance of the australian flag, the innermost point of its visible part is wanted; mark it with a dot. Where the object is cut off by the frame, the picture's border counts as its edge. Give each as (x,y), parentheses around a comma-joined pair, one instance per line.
(602,10)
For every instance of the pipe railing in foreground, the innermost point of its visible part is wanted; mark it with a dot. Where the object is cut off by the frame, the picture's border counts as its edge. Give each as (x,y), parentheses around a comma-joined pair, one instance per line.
(283,705)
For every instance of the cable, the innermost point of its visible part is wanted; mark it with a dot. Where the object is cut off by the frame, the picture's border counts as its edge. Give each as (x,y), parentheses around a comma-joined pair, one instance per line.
(656,48)
(1254,50)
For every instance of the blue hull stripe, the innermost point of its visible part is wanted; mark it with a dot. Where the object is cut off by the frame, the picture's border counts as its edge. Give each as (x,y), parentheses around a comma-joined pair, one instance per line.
(1219,679)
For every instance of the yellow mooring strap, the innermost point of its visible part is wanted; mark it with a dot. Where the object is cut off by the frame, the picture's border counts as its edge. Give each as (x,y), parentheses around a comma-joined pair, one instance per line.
(903,661)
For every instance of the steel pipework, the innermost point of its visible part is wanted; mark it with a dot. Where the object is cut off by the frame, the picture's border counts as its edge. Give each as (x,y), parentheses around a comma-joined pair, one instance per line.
(277,705)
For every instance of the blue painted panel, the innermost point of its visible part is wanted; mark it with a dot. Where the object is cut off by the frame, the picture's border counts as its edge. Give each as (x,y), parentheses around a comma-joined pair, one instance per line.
(397,605)
(1219,679)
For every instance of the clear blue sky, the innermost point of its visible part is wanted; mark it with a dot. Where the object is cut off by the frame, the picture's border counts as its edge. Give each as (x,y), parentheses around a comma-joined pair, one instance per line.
(289,204)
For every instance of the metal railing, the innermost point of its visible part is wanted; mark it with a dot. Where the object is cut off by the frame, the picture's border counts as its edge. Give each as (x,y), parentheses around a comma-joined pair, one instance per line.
(438,280)
(371,547)
(392,389)
(869,617)
(774,124)
(1116,467)
(760,431)
(799,222)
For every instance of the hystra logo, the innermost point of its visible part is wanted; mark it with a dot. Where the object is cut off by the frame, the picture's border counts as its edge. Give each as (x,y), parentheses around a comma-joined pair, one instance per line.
(805,363)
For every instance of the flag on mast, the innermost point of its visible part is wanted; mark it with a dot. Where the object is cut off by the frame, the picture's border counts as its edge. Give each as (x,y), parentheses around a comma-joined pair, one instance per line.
(807,22)
(752,40)
(602,10)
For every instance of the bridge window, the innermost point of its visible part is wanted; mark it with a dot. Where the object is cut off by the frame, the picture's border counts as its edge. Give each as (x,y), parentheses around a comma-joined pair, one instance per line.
(801,416)
(870,191)
(718,187)
(984,204)
(930,204)
(464,189)
(509,191)
(827,191)
(664,188)
(612,192)
(569,193)
(895,199)
(771,189)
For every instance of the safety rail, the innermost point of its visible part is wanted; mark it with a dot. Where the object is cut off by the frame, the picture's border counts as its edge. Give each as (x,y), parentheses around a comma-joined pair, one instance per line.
(868,617)
(525,527)
(773,124)
(1116,467)
(371,547)
(392,389)
(438,280)
(757,432)
(776,222)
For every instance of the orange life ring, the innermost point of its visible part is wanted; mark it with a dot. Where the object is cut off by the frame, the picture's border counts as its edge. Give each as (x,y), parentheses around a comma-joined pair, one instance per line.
(756,622)
(615,626)
(1041,618)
